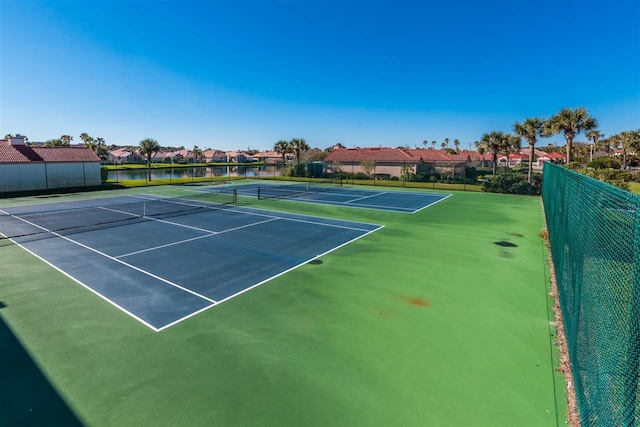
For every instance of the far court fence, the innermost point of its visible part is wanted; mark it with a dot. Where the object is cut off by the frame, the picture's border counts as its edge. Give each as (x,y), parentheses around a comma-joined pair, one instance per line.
(594,232)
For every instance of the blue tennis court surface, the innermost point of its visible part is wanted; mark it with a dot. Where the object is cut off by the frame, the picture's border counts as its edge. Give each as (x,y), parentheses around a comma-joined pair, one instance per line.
(387,200)
(163,269)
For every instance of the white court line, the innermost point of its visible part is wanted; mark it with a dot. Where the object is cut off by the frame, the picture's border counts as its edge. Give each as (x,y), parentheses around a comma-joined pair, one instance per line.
(273,277)
(159,220)
(124,310)
(431,204)
(383,208)
(210,234)
(280,217)
(163,246)
(301,220)
(119,261)
(366,197)
(250,211)
(271,218)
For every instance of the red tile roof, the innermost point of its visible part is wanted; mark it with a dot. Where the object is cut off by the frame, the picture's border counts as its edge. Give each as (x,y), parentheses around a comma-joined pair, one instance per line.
(429,155)
(553,155)
(214,153)
(394,155)
(268,155)
(21,153)
(66,154)
(391,155)
(9,154)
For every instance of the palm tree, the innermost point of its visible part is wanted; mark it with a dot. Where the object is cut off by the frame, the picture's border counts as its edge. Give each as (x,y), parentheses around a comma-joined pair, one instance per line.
(298,145)
(53,143)
(446,142)
(456,144)
(630,141)
(570,122)
(594,135)
(510,144)
(66,139)
(148,147)
(99,147)
(86,139)
(434,143)
(491,143)
(425,143)
(197,154)
(613,143)
(283,148)
(530,129)
(443,144)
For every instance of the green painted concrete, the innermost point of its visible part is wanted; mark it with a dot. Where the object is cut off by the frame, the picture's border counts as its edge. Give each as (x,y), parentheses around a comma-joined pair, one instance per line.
(427,322)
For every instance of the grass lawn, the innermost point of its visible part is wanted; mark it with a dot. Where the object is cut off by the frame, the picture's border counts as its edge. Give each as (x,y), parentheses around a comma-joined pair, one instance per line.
(440,318)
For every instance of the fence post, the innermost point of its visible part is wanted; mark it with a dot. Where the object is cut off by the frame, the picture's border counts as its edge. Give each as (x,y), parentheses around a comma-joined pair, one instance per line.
(46,176)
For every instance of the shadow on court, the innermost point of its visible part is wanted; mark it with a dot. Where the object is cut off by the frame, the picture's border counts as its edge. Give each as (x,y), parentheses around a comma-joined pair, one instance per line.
(26,397)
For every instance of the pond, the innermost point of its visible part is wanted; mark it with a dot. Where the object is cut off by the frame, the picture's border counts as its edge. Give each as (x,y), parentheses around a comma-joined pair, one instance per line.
(168,174)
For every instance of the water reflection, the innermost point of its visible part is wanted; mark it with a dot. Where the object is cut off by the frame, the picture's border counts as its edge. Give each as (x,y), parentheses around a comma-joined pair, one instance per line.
(169,173)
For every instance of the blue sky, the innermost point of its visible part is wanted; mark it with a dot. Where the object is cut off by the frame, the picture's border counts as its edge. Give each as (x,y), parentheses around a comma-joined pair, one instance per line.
(246,73)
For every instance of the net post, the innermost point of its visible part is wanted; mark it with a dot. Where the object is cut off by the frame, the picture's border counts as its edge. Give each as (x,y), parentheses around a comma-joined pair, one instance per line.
(144,209)
(259,193)
(235,196)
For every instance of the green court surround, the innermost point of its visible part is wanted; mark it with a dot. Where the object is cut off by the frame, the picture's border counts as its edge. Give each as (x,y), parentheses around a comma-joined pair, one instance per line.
(440,318)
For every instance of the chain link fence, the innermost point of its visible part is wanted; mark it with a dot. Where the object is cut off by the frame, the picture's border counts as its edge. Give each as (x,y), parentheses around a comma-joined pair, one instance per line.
(594,233)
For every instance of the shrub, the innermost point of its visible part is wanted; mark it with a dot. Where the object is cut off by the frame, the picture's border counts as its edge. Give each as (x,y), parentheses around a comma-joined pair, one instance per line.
(300,170)
(471,174)
(604,163)
(360,175)
(574,166)
(104,173)
(513,183)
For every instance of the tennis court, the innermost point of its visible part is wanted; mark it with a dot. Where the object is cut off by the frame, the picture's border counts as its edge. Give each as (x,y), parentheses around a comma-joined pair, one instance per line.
(333,193)
(438,318)
(162,260)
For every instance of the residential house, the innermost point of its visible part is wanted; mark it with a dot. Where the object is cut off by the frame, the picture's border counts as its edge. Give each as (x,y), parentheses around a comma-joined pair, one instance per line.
(214,156)
(272,157)
(548,157)
(239,157)
(386,161)
(124,155)
(514,159)
(159,156)
(180,156)
(484,160)
(522,157)
(391,161)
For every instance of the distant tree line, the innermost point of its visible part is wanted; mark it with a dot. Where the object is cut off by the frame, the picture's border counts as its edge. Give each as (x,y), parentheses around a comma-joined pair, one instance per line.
(569,122)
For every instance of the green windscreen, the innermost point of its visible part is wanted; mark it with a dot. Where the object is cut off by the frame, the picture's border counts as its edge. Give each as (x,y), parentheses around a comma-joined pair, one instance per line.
(594,232)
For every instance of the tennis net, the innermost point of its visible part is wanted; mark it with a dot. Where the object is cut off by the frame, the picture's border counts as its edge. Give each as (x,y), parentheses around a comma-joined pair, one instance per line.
(30,223)
(296,190)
